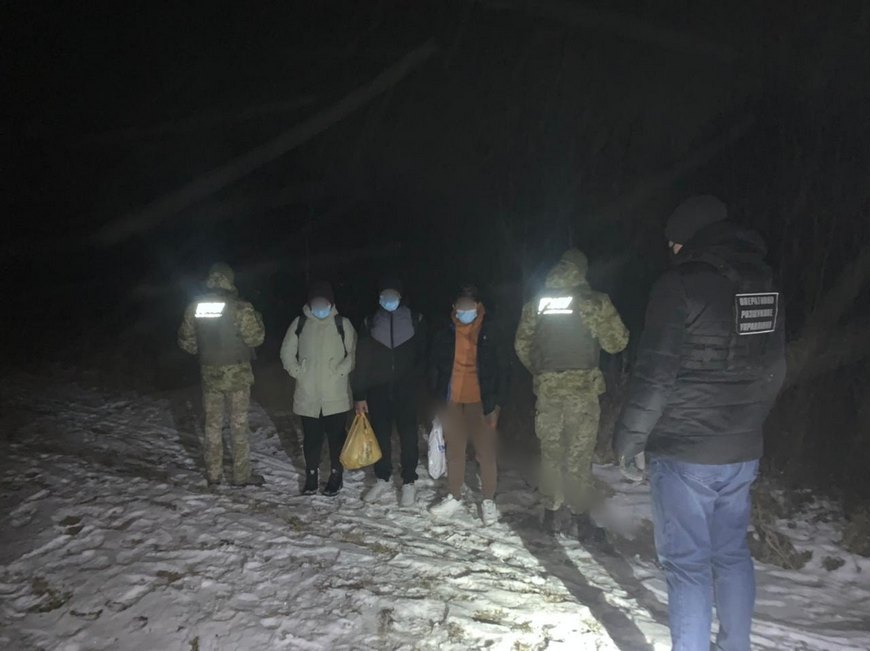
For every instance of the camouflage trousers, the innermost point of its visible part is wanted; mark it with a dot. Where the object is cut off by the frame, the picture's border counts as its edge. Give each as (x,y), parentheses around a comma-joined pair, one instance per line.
(568,430)
(216,405)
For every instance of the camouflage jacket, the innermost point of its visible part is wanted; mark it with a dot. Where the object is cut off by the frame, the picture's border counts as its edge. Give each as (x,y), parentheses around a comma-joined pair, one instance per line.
(232,377)
(598,314)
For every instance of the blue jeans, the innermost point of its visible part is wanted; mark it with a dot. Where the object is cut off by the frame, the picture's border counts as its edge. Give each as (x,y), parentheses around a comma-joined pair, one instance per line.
(701,515)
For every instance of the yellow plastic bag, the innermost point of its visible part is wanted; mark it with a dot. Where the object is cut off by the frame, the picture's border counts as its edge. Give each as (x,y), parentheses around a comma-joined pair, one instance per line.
(361,448)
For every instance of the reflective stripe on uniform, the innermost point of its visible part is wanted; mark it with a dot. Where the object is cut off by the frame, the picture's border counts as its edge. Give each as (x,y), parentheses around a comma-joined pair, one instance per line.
(556,305)
(209,310)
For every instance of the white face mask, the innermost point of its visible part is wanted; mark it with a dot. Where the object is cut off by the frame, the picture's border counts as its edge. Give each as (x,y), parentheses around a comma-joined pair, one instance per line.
(390,300)
(466,316)
(320,309)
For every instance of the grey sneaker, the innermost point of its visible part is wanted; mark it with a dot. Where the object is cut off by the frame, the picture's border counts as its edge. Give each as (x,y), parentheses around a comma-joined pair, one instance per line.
(446,508)
(377,492)
(408,496)
(488,513)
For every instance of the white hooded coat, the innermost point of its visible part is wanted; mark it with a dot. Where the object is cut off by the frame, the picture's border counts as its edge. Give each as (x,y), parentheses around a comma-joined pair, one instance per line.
(317,361)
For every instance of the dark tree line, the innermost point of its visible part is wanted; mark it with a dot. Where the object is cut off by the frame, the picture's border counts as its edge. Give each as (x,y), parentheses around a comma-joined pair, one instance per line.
(463,139)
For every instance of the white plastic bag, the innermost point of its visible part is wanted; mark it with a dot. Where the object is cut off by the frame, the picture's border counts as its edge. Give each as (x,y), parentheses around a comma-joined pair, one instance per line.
(437,451)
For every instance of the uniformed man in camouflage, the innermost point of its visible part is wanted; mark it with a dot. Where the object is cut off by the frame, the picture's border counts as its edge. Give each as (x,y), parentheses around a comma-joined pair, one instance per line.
(559,338)
(222,330)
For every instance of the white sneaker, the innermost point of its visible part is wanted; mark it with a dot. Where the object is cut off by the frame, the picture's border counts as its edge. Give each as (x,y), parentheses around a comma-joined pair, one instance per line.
(408,496)
(488,513)
(446,508)
(377,492)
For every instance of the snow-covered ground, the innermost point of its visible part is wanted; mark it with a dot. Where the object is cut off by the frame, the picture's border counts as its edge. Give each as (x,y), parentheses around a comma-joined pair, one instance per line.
(111,540)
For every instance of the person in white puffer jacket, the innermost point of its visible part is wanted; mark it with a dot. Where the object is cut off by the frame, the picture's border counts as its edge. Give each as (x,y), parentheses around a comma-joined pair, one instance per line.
(318,352)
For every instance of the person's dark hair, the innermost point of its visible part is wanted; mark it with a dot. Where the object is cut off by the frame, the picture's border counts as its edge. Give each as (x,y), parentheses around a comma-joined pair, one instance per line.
(467,290)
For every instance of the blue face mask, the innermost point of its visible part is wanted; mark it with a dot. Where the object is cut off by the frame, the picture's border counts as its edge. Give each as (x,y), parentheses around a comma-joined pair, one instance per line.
(466,316)
(390,303)
(321,312)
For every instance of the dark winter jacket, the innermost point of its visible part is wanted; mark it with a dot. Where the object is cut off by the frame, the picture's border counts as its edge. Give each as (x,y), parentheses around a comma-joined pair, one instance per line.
(385,356)
(493,365)
(700,392)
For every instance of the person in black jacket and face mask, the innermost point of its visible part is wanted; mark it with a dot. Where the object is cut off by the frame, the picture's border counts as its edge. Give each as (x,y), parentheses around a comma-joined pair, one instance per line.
(709,366)
(390,360)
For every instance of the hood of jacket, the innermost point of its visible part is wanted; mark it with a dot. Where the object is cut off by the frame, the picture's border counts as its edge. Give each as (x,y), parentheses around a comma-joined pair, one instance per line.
(737,247)
(569,272)
(221,276)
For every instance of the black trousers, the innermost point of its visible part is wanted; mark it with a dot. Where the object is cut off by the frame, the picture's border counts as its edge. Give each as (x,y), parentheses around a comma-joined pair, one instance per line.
(389,405)
(314,430)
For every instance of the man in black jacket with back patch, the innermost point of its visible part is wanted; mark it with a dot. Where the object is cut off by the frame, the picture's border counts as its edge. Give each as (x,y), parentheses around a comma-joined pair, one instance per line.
(709,366)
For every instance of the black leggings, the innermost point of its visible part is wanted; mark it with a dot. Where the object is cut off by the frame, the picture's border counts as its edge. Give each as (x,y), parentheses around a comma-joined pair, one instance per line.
(314,430)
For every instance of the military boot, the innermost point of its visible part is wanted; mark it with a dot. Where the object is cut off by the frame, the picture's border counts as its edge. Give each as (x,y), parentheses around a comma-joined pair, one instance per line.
(589,533)
(254,479)
(549,524)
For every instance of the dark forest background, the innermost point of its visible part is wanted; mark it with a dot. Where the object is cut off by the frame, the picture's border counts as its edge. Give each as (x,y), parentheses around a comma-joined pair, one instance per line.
(510,131)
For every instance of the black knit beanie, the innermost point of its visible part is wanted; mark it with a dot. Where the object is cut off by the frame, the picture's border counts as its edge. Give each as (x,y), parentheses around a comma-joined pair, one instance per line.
(692,215)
